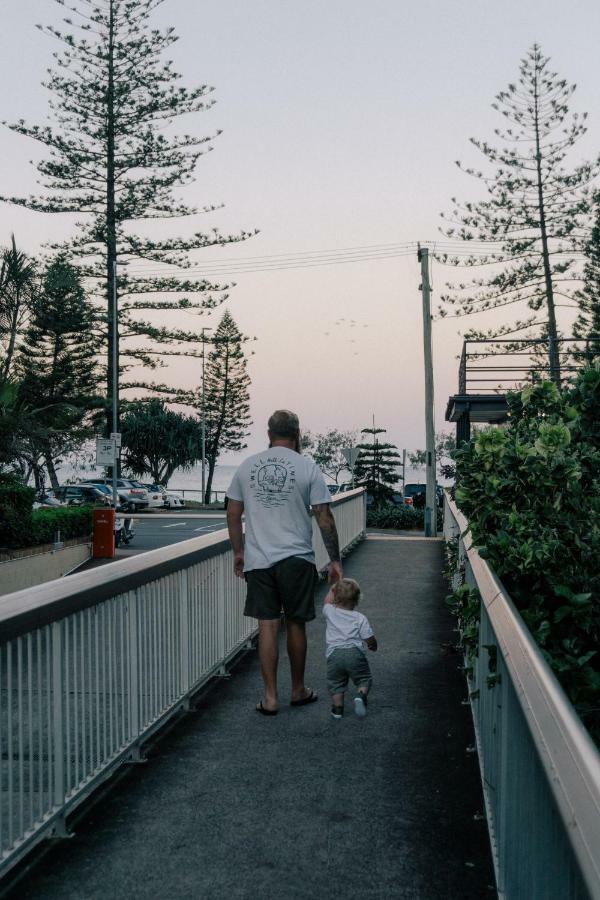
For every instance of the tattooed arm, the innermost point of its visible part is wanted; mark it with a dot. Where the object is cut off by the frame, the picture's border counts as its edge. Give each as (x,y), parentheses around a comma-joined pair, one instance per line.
(326,524)
(236,536)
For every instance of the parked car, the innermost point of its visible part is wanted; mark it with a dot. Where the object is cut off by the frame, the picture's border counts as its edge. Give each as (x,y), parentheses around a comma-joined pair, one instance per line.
(136,498)
(156,494)
(173,501)
(417,493)
(46,500)
(80,494)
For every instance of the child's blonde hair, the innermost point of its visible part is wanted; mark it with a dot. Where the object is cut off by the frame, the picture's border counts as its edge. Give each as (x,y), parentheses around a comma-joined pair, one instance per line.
(346,593)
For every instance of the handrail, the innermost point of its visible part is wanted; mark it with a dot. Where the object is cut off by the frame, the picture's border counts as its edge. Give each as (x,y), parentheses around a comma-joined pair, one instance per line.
(564,748)
(36,606)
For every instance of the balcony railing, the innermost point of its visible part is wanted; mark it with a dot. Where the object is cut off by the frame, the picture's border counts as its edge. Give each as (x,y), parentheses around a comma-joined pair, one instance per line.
(499,365)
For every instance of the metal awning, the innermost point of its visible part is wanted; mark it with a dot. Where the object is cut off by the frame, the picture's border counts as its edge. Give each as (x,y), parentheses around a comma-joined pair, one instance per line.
(488,408)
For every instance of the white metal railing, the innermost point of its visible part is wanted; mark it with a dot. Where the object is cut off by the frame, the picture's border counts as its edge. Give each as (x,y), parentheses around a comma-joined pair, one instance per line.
(540,769)
(92,664)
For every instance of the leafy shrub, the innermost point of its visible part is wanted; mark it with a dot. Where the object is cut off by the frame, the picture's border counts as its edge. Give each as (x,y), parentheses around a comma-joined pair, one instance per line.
(15,511)
(464,603)
(401,517)
(531,493)
(72,522)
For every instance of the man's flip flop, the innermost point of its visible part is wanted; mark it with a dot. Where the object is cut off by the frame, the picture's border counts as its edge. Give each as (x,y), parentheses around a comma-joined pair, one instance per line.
(310,698)
(265,712)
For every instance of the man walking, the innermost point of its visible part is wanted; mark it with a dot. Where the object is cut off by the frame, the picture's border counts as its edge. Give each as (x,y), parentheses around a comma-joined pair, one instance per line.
(276,490)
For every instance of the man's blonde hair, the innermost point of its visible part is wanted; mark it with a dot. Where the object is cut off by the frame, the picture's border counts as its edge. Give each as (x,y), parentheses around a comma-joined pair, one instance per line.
(346,593)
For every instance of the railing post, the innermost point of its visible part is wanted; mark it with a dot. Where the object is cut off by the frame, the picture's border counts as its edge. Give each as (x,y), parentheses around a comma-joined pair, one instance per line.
(134,680)
(58,718)
(184,631)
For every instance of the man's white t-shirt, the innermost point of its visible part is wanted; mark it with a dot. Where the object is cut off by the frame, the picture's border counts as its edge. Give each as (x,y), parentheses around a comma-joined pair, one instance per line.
(278,488)
(345,628)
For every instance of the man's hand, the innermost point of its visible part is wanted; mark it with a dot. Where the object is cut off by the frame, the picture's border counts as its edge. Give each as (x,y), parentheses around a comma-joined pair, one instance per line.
(335,571)
(238,564)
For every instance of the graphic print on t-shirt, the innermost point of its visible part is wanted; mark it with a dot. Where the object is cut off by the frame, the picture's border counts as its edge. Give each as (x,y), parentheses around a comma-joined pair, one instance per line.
(272,480)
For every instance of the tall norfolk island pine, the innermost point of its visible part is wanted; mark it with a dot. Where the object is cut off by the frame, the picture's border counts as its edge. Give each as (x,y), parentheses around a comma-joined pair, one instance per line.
(227,400)
(114,158)
(376,466)
(587,324)
(536,209)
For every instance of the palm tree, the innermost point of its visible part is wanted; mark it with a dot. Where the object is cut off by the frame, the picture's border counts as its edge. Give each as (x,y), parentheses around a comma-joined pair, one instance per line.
(18,283)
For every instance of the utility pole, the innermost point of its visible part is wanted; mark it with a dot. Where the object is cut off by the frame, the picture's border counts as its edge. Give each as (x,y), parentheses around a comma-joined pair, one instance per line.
(203,419)
(430,491)
(403,471)
(115,382)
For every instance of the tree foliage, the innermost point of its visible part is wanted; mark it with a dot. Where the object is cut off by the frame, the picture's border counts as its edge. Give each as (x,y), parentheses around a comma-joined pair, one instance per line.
(115,160)
(57,367)
(376,466)
(531,493)
(587,324)
(535,213)
(226,395)
(157,440)
(18,286)
(326,450)
(445,446)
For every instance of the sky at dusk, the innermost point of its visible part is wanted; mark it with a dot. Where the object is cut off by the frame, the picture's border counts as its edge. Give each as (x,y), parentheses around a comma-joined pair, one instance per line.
(341,124)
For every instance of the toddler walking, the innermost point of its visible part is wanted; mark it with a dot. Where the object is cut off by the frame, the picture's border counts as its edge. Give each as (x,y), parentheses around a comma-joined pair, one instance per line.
(346,634)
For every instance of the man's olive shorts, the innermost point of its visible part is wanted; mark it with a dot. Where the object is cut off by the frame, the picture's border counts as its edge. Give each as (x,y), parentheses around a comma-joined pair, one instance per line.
(289,585)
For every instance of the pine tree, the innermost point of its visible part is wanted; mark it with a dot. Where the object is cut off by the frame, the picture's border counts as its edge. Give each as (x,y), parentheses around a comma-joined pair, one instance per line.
(226,396)
(57,367)
(587,324)
(535,212)
(114,158)
(376,466)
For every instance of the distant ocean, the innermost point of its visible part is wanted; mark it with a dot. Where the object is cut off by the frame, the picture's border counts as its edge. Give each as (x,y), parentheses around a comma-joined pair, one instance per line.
(191,480)
(184,480)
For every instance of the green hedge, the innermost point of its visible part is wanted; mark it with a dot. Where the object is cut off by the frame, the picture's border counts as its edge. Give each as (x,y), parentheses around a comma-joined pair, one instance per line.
(72,522)
(531,493)
(15,511)
(400,517)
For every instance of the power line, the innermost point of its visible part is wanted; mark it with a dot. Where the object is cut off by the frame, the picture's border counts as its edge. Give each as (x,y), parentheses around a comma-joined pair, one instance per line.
(306,259)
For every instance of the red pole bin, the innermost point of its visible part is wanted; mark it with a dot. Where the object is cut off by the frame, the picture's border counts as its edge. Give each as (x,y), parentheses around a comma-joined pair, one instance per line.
(104,533)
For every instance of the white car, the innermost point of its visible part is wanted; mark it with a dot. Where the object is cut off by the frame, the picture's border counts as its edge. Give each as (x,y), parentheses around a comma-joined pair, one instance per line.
(156,495)
(173,501)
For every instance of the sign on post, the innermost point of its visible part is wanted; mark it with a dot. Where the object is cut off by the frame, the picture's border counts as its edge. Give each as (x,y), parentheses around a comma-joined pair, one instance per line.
(105,452)
(116,437)
(351,455)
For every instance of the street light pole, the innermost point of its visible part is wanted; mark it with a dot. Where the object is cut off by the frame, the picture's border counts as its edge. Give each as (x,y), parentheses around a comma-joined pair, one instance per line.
(203,416)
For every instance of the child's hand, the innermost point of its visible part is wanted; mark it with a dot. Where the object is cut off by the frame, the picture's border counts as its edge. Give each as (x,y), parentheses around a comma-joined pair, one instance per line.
(329,598)
(371,643)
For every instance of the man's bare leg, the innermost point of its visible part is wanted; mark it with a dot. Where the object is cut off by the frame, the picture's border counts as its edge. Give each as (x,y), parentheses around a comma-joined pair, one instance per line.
(268,653)
(296,647)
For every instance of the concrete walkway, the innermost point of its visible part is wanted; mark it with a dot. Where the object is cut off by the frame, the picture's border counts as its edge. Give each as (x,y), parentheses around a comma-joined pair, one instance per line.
(235,805)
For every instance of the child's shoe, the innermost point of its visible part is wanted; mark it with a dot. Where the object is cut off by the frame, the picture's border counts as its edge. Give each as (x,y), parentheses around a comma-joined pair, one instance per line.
(337,712)
(360,705)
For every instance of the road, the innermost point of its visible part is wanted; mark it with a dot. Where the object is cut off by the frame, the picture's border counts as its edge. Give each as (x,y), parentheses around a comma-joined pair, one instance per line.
(153,530)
